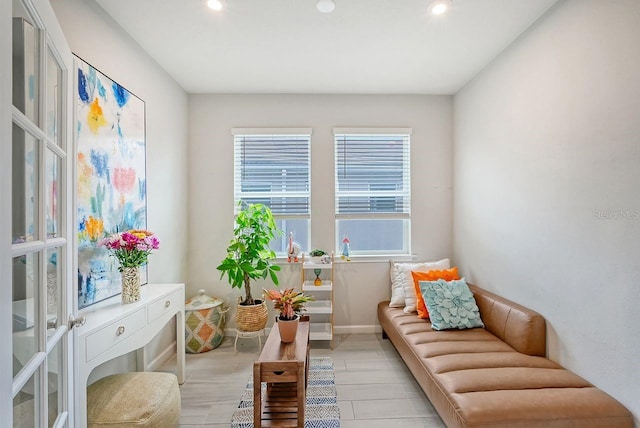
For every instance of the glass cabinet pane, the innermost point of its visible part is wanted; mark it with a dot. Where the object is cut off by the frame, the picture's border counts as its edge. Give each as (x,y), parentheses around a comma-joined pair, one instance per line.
(54,374)
(54,280)
(53,97)
(25,404)
(25,313)
(25,62)
(24,189)
(52,192)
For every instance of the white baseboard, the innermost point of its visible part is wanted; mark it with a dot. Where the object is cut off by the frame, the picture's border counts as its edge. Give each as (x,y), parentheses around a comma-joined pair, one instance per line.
(231,332)
(157,362)
(338,329)
(357,329)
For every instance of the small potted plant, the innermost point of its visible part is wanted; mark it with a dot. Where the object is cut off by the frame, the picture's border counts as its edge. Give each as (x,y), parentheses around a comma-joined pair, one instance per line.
(290,304)
(316,255)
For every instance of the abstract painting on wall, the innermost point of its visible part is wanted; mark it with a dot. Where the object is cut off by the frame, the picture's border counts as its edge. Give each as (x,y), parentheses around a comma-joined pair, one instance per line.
(110,136)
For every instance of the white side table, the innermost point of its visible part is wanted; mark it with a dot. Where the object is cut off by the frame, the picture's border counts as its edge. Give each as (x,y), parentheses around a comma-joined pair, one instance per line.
(113,329)
(249,335)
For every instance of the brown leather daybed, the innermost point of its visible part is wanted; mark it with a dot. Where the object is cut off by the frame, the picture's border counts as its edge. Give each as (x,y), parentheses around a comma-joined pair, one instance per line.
(497,376)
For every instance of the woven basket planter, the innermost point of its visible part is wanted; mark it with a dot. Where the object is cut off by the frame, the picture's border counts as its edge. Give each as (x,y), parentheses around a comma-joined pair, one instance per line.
(251,317)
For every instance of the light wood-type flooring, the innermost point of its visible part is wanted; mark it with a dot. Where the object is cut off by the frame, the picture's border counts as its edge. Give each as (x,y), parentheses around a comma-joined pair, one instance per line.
(375,389)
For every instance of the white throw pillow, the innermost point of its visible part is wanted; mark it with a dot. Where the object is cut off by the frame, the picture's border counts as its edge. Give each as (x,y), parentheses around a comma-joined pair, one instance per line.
(407,280)
(397,286)
(401,280)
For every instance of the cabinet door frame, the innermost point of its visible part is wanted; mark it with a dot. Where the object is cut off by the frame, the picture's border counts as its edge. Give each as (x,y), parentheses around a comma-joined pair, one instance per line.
(6,375)
(52,338)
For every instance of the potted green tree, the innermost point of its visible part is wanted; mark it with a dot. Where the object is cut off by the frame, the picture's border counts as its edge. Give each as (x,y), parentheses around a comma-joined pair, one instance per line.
(249,258)
(290,304)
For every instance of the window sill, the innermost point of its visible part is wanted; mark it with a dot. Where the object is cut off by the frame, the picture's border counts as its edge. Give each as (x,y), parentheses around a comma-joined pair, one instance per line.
(382,258)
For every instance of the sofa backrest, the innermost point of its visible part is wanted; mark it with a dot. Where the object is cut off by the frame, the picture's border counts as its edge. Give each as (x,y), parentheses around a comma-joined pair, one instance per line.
(521,328)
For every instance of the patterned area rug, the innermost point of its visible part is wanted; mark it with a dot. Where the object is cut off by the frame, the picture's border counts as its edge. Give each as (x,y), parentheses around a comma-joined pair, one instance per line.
(321,410)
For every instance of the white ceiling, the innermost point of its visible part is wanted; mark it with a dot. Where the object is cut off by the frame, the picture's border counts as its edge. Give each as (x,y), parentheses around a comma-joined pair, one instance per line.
(287,46)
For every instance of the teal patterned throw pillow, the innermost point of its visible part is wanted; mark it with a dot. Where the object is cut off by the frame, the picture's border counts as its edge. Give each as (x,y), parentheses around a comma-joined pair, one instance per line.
(451,305)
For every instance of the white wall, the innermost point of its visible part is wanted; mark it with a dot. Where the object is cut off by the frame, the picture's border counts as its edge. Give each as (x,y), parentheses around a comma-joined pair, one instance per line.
(97,39)
(359,286)
(547,185)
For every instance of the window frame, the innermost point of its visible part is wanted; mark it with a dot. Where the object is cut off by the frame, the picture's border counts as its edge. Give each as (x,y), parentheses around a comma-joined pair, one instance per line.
(404,133)
(272,133)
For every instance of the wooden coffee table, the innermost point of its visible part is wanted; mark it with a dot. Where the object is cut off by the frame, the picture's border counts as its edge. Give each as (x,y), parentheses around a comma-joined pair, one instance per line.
(285,369)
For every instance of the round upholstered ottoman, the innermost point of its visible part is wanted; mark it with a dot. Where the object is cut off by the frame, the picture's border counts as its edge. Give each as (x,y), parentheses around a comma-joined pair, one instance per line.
(139,399)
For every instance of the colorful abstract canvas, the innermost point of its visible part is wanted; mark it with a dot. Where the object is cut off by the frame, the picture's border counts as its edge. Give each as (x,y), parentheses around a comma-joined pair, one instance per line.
(110,136)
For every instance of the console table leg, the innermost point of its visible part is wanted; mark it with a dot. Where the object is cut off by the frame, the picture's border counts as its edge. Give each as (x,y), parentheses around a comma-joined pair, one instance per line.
(141,365)
(181,362)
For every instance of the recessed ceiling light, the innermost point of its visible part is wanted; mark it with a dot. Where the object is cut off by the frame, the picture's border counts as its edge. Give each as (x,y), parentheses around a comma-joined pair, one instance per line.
(215,4)
(325,6)
(438,7)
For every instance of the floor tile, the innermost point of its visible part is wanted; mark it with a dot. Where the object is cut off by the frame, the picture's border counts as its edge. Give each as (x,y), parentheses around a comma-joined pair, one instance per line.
(355,392)
(434,422)
(346,410)
(395,408)
(375,389)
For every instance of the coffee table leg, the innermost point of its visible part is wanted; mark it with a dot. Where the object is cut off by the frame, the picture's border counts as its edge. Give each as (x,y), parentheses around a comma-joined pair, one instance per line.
(257,396)
(302,394)
(306,369)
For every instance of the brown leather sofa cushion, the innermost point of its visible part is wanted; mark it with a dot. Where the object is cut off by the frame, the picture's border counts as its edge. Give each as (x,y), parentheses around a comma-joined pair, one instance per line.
(497,377)
(520,327)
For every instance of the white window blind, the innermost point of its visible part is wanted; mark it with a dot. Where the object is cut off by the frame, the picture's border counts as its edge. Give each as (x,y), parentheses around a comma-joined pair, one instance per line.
(273,170)
(372,175)
(373,192)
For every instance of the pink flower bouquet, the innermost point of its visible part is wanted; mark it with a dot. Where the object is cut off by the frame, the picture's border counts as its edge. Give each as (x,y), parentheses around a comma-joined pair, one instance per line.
(131,248)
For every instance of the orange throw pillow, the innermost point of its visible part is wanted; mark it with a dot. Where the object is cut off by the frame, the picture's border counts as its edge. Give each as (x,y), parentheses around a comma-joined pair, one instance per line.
(432,275)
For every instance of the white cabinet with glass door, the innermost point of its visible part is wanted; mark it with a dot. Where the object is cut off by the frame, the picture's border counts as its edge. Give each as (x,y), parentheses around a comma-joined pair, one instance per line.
(36,217)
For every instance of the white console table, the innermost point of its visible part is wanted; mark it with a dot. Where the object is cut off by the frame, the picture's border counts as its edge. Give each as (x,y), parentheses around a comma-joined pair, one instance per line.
(113,329)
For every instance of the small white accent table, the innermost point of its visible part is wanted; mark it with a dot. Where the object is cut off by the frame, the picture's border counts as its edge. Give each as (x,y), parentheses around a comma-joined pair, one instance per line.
(248,335)
(113,329)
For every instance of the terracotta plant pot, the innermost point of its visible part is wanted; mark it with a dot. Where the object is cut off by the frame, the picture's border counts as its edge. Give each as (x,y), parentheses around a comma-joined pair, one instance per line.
(288,329)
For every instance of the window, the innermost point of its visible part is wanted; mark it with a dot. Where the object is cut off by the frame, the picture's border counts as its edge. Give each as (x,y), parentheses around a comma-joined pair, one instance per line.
(272,167)
(373,191)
